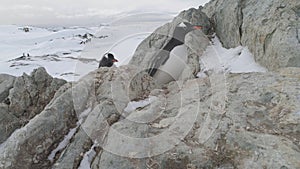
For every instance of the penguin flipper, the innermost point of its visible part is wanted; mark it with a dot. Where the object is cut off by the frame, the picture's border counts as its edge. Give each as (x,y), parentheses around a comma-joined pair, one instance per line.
(152,71)
(158,61)
(103,62)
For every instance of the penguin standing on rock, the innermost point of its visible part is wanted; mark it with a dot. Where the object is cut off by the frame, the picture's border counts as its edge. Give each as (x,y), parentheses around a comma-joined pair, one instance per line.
(107,61)
(170,61)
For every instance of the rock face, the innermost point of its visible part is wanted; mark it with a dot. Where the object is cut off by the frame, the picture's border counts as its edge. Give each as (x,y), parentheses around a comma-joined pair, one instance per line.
(118,117)
(237,121)
(91,95)
(30,94)
(24,97)
(233,121)
(6,83)
(269,28)
(160,37)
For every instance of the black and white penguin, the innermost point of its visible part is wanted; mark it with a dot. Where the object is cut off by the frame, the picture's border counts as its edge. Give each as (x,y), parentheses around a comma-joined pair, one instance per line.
(107,61)
(170,61)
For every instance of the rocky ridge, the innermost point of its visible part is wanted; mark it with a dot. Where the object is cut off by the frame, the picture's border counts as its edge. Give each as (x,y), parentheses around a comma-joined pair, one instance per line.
(246,120)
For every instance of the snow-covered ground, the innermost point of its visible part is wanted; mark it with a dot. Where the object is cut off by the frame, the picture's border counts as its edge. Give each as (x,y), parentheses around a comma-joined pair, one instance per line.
(72,52)
(218,59)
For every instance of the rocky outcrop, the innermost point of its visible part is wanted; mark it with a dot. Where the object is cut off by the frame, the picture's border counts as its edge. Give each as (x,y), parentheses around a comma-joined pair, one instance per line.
(223,120)
(69,107)
(30,94)
(24,97)
(237,121)
(6,83)
(270,29)
(160,37)
(234,121)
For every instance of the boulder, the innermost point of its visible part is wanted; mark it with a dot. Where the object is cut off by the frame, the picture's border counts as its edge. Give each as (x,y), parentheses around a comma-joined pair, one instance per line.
(30,94)
(6,83)
(36,139)
(24,97)
(8,122)
(270,29)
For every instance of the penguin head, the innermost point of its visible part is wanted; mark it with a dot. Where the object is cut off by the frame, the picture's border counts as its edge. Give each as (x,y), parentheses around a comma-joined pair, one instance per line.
(183,28)
(187,27)
(111,57)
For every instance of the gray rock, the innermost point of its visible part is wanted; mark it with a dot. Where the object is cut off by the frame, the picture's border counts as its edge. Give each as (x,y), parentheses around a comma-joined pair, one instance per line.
(248,120)
(8,122)
(72,154)
(29,146)
(270,29)
(252,122)
(227,19)
(47,129)
(114,88)
(25,97)
(30,94)
(196,17)
(240,120)
(6,83)
(196,43)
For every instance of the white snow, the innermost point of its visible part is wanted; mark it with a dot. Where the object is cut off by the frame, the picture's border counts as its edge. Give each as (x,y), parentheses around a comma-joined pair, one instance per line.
(69,136)
(56,50)
(87,159)
(235,60)
(131,106)
(123,36)
(40,41)
(62,51)
(64,54)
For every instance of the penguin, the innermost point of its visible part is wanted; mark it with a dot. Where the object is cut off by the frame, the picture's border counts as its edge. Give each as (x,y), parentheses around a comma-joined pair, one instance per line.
(170,61)
(107,61)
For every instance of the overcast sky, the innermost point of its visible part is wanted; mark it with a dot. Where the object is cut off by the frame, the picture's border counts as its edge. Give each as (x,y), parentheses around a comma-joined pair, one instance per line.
(38,12)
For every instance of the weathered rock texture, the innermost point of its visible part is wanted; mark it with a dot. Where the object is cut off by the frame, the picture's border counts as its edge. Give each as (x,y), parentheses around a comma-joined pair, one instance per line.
(249,120)
(269,28)
(6,83)
(233,121)
(236,121)
(30,146)
(23,97)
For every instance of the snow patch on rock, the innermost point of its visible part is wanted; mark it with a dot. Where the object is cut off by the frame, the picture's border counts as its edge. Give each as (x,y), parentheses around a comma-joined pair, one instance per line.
(216,58)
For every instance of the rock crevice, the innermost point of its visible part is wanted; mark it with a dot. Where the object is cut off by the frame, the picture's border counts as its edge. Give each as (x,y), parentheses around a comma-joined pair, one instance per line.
(255,21)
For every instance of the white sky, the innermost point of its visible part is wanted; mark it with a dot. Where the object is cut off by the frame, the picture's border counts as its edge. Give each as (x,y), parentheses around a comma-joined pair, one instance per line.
(76,12)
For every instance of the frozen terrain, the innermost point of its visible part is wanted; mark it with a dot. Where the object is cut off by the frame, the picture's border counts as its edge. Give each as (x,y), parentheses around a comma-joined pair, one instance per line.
(72,52)
(216,58)
(55,49)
